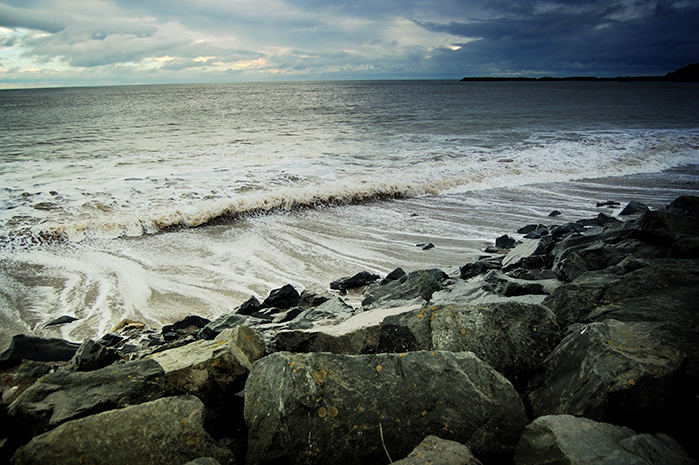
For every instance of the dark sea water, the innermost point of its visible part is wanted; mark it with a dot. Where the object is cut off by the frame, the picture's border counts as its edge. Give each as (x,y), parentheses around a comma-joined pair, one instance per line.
(158,202)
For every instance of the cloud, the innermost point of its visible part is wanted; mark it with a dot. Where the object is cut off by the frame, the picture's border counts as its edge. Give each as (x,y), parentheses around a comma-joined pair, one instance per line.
(203,40)
(590,36)
(47,21)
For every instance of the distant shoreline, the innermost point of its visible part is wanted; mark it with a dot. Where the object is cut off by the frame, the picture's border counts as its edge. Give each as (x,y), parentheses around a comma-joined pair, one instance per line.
(580,78)
(689,73)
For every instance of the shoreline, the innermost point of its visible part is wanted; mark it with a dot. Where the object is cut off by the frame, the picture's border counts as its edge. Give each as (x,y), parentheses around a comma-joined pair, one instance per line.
(569,294)
(689,73)
(460,226)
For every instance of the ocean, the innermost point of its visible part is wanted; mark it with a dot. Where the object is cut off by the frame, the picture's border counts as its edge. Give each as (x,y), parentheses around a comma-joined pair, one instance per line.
(157,202)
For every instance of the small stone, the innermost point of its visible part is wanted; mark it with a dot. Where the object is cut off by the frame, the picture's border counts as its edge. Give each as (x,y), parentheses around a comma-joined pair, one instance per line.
(61,320)
(505,242)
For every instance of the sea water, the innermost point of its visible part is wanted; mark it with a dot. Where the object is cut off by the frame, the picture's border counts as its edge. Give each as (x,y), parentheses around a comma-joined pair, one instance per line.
(157,202)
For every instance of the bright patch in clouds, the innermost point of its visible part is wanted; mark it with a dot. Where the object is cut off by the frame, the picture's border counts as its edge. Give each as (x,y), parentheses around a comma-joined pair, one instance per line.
(95,42)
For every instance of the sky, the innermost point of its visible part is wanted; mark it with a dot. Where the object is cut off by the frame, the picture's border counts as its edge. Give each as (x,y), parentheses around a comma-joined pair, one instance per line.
(46,43)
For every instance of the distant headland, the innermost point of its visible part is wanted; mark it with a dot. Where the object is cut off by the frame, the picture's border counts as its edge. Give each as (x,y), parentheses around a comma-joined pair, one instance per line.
(689,73)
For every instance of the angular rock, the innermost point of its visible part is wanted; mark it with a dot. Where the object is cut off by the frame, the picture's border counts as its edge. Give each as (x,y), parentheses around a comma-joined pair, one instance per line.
(622,373)
(669,288)
(326,408)
(64,395)
(505,242)
(287,316)
(360,279)
(471,270)
(477,291)
(604,220)
(434,450)
(335,309)
(540,274)
(314,297)
(394,275)
(634,207)
(110,340)
(685,205)
(212,370)
(531,228)
(357,335)
(187,325)
(609,235)
(499,283)
(662,228)
(568,439)
(514,338)
(437,274)
(418,285)
(230,320)
(166,431)
(355,343)
(495,286)
(559,231)
(284,297)
(39,349)
(91,355)
(575,261)
(33,369)
(249,307)
(528,254)
(537,233)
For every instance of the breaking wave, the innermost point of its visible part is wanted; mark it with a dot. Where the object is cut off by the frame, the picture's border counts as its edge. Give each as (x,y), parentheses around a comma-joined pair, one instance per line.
(187,202)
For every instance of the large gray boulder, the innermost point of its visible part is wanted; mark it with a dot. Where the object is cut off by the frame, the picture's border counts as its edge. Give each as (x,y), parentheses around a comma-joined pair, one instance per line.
(168,431)
(357,342)
(499,283)
(513,337)
(64,395)
(356,335)
(532,253)
(228,321)
(670,289)
(212,369)
(483,265)
(574,261)
(418,285)
(566,439)
(327,408)
(663,227)
(332,309)
(625,373)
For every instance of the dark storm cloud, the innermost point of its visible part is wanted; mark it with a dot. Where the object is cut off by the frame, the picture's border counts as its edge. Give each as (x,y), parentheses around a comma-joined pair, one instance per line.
(589,37)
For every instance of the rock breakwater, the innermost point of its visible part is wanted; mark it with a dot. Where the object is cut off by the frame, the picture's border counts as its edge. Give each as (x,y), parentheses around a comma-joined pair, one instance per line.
(574,343)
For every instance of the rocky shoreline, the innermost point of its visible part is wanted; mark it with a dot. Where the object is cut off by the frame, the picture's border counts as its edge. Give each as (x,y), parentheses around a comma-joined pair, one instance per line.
(573,343)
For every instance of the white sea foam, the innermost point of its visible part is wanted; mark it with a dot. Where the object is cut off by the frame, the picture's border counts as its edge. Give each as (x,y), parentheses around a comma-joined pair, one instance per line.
(116,202)
(466,162)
